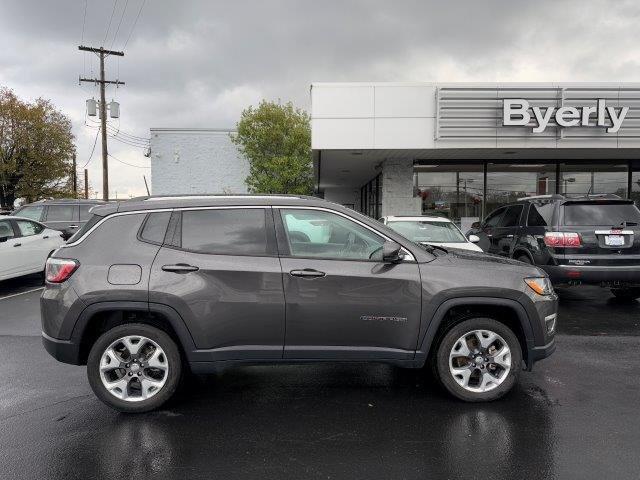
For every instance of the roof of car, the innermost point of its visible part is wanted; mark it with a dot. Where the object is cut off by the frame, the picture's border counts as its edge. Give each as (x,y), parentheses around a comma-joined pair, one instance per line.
(182,201)
(55,201)
(421,218)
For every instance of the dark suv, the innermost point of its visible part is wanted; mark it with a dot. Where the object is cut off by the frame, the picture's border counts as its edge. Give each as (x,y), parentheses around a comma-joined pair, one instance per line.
(592,239)
(155,286)
(67,215)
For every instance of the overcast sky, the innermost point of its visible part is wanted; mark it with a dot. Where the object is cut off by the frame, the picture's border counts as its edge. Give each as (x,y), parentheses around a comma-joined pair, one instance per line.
(199,63)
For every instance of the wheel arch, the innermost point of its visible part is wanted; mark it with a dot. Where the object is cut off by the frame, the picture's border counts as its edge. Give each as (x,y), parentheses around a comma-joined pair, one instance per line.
(100,317)
(455,310)
(519,251)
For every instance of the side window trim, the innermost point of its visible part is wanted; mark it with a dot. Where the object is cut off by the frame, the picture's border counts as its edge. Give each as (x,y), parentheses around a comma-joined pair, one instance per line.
(499,212)
(144,223)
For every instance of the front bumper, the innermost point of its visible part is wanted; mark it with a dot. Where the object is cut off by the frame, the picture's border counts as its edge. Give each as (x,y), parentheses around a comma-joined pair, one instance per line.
(65,351)
(539,353)
(594,274)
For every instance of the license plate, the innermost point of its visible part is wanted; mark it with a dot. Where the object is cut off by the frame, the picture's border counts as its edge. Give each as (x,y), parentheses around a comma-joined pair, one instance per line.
(614,240)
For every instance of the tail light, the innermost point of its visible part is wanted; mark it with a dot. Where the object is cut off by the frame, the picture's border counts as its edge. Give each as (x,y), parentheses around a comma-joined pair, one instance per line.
(562,239)
(60,269)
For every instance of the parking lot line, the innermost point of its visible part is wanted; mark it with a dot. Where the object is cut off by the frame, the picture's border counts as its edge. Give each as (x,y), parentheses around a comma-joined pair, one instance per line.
(22,293)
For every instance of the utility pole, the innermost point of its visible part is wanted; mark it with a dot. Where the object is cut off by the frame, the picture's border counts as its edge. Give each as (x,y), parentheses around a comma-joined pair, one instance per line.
(102,53)
(74,177)
(86,184)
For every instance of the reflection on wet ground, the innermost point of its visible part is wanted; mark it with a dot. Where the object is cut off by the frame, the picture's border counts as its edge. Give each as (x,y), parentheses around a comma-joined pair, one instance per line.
(575,416)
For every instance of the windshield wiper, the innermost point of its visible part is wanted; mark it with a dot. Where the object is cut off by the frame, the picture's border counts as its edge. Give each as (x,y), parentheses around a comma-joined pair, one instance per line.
(430,248)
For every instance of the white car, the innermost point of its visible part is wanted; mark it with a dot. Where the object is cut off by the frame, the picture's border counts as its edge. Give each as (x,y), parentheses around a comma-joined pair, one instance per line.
(25,246)
(438,231)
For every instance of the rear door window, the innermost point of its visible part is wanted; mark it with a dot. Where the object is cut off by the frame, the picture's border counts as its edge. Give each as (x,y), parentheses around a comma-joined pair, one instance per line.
(597,213)
(61,213)
(28,228)
(226,231)
(511,217)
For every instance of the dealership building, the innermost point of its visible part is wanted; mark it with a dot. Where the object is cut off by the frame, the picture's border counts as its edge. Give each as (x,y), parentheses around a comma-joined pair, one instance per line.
(453,149)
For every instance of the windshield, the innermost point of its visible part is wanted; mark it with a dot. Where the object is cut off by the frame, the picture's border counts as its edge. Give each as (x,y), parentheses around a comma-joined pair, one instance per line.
(428,231)
(594,213)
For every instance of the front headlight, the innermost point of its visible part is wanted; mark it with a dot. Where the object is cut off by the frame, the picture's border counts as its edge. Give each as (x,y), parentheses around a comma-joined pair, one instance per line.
(540,285)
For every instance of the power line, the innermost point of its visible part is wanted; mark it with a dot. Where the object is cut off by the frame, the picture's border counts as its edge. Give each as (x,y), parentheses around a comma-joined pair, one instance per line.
(95,142)
(117,132)
(119,23)
(104,42)
(125,163)
(134,24)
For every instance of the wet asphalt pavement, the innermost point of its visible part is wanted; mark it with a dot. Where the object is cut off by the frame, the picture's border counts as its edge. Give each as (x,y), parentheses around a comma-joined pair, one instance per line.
(575,416)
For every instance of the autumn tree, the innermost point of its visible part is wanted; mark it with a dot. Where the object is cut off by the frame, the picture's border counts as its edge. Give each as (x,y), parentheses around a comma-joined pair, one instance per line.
(36,149)
(276,139)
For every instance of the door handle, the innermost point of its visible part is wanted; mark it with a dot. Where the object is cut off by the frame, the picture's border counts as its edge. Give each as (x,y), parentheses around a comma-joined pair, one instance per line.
(180,268)
(45,237)
(17,244)
(73,226)
(307,273)
(509,236)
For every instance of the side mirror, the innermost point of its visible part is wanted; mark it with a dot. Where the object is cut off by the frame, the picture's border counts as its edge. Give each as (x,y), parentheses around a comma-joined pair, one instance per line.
(474,238)
(476,225)
(391,252)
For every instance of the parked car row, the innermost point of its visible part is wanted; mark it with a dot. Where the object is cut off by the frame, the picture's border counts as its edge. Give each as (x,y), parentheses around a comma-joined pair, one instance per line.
(31,233)
(592,239)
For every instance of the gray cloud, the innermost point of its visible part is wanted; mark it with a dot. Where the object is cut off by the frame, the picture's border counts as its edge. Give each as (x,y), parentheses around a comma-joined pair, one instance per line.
(198,63)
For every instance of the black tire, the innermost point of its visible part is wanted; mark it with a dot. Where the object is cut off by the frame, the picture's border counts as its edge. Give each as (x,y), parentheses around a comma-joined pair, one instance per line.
(447,343)
(524,259)
(630,293)
(173,359)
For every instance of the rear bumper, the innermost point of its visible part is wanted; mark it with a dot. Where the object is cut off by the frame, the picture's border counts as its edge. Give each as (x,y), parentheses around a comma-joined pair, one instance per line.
(65,351)
(594,274)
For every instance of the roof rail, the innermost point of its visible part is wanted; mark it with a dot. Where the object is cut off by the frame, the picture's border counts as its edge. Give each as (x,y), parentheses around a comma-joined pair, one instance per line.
(542,197)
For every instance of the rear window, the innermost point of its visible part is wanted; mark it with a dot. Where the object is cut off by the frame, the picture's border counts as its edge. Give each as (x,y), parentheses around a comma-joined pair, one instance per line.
(594,213)
(225,231)
(84,212)
(512,216)
(155,227)
(34,213)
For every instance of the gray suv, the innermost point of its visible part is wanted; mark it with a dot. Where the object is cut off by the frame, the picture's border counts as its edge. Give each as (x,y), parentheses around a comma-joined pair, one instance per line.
(151,288)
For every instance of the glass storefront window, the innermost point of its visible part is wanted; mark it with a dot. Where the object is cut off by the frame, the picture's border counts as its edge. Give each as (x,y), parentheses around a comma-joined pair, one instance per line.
(593,179)
(508,182)
(635,187)
(453,191)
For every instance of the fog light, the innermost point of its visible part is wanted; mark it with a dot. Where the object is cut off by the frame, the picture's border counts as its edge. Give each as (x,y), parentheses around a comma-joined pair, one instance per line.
(550,322)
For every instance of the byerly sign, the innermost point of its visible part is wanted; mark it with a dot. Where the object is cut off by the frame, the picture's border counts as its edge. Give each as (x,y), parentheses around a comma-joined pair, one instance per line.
(515,112)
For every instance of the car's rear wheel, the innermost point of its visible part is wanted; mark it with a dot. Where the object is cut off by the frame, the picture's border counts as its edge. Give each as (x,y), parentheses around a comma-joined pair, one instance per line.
(524,259)
(479,360)
(630,293)
(134,368)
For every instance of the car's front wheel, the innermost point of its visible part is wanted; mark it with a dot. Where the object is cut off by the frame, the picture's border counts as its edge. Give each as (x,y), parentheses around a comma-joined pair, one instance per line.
(134,368)
(479,359)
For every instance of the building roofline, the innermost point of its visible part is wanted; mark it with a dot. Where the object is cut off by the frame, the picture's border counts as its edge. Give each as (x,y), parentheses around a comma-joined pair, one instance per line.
(194,130)
(612,84)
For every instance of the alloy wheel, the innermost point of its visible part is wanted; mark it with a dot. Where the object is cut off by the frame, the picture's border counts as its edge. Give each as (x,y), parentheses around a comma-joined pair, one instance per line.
(480,360)
(134,368)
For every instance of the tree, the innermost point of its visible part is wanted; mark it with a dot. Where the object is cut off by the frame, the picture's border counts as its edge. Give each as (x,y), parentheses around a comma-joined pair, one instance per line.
(276,139)
(36,148)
